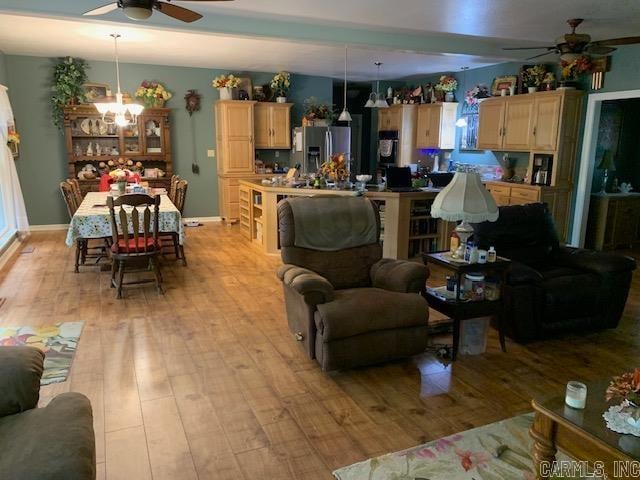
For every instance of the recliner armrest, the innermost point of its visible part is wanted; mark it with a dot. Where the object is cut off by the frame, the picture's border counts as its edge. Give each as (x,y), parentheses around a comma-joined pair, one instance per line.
(594,261)
(521,274)
(20,372)
(399,275)
(313,287)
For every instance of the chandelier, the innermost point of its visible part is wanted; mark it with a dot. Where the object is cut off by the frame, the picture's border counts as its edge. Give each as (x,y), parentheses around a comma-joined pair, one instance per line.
(123,113)
(376,99)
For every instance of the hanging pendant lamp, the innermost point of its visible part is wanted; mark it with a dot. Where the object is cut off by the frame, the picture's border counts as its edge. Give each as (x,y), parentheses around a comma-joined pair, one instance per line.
(376,100)
(345,116)
(462,121)
(123,113)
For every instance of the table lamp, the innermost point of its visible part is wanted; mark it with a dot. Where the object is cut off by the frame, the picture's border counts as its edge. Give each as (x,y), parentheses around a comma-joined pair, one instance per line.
(465,199)
(606,164)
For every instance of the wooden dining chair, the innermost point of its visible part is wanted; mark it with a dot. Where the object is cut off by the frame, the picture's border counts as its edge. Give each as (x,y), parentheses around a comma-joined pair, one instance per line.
(141,245)
(180,196)
(75,185)
(172,187)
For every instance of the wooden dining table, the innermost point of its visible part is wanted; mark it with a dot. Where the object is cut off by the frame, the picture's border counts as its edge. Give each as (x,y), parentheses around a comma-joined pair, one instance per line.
(92,219)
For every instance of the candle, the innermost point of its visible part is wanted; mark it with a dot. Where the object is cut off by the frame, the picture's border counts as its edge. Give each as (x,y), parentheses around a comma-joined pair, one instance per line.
(576,394)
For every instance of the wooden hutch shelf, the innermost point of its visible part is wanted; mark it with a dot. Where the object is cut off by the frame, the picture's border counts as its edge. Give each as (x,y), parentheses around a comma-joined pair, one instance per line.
(147,141)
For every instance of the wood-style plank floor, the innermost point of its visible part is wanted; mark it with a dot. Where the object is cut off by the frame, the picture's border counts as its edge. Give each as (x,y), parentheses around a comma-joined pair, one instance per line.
(205,382)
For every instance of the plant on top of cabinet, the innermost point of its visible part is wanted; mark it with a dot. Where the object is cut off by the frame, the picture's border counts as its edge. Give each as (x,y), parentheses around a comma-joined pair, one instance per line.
(224,84)
(533,76)
(68,76)
(280,85)
(317,114)
(153,94)
(447,85)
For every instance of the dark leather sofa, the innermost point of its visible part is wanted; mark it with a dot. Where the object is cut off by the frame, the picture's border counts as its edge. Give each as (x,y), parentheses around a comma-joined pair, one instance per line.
(553,289)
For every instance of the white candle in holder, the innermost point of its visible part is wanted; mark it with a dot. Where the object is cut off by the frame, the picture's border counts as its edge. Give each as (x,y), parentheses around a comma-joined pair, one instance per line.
(576,394)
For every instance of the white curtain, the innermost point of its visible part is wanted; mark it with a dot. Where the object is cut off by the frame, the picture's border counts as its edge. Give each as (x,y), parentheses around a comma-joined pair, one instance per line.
(13,201)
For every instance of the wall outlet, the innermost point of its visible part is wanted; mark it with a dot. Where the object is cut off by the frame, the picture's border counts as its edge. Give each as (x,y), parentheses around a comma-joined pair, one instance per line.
(277,153)
(211,153)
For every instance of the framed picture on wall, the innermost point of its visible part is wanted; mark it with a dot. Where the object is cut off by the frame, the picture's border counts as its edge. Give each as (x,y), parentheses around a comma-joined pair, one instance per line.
(94,92)
(500,83)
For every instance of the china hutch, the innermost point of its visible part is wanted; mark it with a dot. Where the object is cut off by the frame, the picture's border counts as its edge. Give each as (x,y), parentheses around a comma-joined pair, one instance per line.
(91,140)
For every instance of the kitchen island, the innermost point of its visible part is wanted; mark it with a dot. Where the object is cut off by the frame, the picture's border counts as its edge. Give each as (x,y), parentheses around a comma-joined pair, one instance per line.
(408,229)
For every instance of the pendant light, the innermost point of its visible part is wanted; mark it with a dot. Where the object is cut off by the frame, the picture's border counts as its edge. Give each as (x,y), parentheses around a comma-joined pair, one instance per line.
(123,113)
(462,122)
(375,99)
(345,116)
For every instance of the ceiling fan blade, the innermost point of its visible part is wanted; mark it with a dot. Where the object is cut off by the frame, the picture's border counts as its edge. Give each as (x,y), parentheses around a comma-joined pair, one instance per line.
(599,50)
(204,0)
(179,13)
(102,10)
(542,54)
(529,48)
(617,41)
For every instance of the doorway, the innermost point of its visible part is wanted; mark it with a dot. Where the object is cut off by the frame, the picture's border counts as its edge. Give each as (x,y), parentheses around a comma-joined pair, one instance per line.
(595,149)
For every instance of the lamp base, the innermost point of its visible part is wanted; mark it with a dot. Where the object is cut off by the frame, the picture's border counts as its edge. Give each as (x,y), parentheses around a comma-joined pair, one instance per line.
(464,230)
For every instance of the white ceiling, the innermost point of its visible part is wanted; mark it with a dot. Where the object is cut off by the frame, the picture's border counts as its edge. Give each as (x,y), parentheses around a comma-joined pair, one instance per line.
(90,40)
(534,20)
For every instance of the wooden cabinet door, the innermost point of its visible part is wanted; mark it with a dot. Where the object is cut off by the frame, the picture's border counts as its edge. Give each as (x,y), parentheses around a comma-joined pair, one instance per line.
(546,119)
(384,119)
(423,124)
(237,136)
(240,156)
(262,125)
(395,118)
(490,123)
(280,126)
(517,123)
(624,224)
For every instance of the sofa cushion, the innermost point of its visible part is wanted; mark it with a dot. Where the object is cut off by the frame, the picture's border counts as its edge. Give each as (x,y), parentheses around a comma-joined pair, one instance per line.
(569,296)
(51,443)
(361,310)
(20,372)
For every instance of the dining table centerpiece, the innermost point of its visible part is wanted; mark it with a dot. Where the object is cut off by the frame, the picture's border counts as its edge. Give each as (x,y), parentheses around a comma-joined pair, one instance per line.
(336,170)
(119,176)
(624,417)
(152,94)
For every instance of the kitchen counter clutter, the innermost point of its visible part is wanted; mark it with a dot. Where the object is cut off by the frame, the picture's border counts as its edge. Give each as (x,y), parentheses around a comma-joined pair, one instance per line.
(408,230)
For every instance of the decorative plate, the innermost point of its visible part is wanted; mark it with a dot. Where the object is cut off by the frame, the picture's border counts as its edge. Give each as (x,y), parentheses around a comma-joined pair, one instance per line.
(87,124)
(617,421)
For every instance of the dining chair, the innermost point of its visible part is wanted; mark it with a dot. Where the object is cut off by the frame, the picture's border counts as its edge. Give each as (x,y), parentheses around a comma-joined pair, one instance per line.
(83,248)
(180,196)
(75,186)
(172,187)
(139,246)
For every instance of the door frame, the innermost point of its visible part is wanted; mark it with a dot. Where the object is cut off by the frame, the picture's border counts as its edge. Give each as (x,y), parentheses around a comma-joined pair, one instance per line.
(587,163)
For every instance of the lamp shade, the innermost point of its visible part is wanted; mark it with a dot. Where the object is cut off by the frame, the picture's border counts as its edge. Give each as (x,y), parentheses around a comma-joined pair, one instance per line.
(466,199)
(606,163)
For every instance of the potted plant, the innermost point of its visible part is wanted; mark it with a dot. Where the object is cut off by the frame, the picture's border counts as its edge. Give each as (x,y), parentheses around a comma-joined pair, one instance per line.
(447,85)
(152,94)
(571,68)
(225,84)
(69,74)
(280,85)
(119,176)
(533,77)
(317,114)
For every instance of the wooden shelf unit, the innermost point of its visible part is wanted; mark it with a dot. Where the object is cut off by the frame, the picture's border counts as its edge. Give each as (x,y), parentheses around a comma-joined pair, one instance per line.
(426,233)
(123,140)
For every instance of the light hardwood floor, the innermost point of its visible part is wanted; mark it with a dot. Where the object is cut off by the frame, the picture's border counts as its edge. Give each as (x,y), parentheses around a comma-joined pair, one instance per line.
(206,382)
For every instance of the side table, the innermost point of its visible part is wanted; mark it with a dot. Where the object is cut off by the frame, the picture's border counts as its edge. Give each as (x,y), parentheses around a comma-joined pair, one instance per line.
(459,309)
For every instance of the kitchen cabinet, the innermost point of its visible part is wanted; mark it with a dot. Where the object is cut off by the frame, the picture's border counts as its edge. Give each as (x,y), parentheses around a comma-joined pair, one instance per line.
(390,118)
(546,119)
(402,119)
(505,123)
(272,125)
(490,123)
(614,221)
(436,125)
(234,135)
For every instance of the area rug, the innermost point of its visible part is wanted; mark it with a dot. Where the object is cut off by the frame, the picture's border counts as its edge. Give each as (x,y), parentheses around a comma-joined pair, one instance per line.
(499,450)
(58,342)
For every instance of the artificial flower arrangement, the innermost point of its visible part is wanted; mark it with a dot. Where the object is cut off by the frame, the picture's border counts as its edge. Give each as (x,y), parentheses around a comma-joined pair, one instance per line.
(447,84)
(534,76)
(225,81)
(314,110)
(572,68)
(281,83)
(152,93)
(335,169)
(626,388)
(476,93)
(119,174)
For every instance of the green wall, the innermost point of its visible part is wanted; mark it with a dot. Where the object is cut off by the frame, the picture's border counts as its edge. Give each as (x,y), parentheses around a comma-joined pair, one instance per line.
(42,162)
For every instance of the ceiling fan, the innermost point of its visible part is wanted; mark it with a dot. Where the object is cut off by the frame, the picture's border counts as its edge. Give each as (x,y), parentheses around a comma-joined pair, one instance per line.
(142,9)
(579,43)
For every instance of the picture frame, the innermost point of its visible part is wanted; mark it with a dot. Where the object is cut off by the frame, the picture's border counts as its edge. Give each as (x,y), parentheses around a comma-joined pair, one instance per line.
(94,92)
(503,82)
(245,89)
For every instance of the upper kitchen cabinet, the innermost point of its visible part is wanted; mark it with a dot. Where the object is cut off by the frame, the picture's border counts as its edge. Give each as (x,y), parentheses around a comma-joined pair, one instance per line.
(505,123)
(546,119)
(390,118)
(273,125)
(490,124)
(436,125)
(234,136)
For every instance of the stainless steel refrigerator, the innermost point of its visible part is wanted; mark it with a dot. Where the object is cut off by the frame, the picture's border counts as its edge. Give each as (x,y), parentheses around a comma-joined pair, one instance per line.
(312,146)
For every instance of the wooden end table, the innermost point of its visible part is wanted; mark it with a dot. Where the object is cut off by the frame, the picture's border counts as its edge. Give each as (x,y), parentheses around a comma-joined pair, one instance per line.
(581,434)
(459,309)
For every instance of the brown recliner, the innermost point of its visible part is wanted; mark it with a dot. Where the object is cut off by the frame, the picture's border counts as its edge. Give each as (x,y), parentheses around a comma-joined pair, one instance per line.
(347,305)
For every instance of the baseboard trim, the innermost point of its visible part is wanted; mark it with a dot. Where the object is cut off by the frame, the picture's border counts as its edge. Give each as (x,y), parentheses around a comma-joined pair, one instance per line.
(202,219)
(47,228)
(10,250)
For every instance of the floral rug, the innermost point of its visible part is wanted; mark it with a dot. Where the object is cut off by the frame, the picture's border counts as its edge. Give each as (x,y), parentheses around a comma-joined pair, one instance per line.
(58,342)
(499,450)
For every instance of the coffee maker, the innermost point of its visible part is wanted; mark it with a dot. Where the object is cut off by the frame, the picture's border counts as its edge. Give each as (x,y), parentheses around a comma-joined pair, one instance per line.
(542,165)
